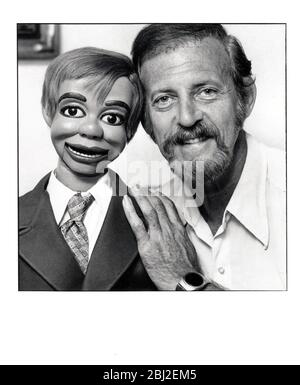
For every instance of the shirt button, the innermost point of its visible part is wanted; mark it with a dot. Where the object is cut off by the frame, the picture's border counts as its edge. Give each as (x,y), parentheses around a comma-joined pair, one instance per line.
(221,270)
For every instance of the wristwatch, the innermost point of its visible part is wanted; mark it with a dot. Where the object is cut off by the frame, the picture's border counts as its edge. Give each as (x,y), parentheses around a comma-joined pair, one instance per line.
(192,282)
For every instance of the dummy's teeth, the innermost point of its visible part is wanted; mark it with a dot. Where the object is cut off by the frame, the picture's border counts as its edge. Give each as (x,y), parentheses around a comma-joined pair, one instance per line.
(81,154)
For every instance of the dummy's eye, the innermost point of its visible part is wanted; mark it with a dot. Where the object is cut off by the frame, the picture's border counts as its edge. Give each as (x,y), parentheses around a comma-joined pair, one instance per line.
(72,112)
(113,119)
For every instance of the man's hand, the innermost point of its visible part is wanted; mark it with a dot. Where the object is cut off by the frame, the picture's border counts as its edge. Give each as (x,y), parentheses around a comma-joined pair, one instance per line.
(165,248)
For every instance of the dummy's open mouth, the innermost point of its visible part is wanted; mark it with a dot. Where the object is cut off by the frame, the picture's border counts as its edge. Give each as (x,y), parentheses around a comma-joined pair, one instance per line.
(86,153)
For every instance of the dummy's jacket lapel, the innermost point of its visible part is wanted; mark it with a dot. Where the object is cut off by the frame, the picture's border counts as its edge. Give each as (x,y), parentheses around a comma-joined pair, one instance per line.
(42,245)
(114,251)
(43,248)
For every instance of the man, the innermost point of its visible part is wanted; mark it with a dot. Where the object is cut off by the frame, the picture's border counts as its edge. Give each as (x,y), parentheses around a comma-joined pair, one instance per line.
(199,90)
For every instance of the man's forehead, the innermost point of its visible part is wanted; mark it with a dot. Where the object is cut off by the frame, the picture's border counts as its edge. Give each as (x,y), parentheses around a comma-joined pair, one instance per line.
(209,54)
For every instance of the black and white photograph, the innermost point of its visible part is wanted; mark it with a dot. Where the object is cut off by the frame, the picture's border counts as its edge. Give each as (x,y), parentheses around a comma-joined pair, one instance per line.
(156,164)
(149,189)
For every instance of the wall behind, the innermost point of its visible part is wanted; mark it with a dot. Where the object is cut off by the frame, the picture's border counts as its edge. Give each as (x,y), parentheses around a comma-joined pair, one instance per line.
(263,44)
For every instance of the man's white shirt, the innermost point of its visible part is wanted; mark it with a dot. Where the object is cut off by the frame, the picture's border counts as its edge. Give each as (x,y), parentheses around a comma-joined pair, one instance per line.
(102,192)
(248,252)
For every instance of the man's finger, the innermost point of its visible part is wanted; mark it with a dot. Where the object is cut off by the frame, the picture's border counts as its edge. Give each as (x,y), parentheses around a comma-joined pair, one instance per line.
(135,222)
(171,210)
(147,209)
(161,211)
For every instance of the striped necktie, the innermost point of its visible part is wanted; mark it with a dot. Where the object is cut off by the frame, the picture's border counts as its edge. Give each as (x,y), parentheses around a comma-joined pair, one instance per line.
(74,230)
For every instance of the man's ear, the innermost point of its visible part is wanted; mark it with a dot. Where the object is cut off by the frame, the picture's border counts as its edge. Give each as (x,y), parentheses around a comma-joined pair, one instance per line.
(47,118)
(251,97)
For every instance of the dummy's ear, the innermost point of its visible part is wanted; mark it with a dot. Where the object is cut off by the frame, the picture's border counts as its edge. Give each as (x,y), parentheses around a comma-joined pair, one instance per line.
(251,97)
(47,118)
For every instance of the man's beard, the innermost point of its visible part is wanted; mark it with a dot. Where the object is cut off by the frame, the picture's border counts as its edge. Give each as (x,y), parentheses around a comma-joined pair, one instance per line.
(214,167)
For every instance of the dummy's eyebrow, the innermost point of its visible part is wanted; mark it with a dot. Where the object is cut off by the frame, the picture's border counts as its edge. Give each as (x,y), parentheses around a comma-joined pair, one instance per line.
(72,95)
(119,103)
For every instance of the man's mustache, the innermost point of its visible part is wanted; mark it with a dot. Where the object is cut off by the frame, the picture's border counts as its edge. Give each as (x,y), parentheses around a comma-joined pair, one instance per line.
(200,130)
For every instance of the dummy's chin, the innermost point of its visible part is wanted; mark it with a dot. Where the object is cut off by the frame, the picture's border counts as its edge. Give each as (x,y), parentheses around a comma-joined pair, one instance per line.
(101,167)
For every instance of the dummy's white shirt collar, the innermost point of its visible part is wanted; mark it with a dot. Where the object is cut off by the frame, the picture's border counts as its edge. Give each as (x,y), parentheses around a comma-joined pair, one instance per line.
(60,194)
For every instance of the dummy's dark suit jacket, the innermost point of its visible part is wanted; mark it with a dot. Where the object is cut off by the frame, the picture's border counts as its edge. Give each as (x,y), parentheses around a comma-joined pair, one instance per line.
(46,262)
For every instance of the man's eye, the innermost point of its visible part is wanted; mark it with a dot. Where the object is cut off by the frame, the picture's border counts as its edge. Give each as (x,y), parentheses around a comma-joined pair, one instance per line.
(163,101)
(113,119)
(72,112)
(208,93)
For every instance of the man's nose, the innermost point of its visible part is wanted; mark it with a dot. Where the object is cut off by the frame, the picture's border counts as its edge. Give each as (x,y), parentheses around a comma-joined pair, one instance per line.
(91,128)
(189,113)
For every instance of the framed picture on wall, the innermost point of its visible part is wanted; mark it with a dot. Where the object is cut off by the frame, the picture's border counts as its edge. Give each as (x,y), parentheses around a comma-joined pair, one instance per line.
(37,41)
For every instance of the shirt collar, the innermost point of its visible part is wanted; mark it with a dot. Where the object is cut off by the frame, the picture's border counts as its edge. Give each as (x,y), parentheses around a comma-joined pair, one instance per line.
(102,190)
(248,202)
(60,194)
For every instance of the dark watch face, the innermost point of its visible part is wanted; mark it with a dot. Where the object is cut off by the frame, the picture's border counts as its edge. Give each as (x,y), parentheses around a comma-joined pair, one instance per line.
(194,279)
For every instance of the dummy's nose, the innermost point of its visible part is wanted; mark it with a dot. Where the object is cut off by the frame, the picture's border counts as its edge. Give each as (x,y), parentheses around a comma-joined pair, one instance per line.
(189,113)
(91,128)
